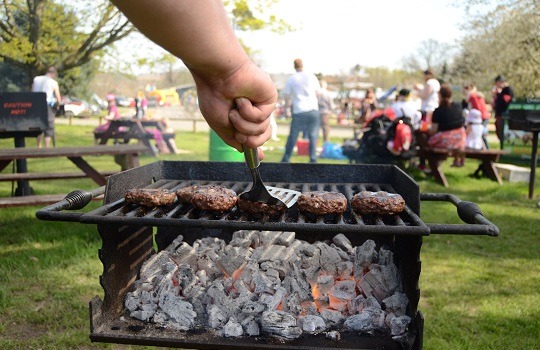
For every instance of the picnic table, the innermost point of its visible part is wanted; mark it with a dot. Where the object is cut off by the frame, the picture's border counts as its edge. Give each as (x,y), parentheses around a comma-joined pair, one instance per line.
(436,157)
(125,130)
(127,156)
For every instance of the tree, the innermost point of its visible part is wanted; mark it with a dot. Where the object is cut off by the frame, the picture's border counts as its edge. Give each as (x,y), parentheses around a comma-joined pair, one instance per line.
(35,34)
(502,40)
(430,54)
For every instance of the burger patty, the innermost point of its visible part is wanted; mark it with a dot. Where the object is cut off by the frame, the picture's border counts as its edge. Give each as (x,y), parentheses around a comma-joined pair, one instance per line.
(322,202)
(150,197)
(259,208)
(382,203)
(208,197)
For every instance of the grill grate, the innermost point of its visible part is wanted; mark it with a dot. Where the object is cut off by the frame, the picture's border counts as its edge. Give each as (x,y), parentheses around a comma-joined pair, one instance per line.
(185,215)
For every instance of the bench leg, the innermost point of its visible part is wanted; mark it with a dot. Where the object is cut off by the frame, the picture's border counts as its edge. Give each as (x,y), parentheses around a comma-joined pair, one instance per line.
(490,171)
(435,165)
(127,161)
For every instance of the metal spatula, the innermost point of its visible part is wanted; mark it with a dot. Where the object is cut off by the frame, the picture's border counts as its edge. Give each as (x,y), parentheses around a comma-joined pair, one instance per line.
(258,192)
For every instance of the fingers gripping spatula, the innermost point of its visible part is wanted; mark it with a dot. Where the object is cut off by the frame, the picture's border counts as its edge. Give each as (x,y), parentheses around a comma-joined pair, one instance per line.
(258,192)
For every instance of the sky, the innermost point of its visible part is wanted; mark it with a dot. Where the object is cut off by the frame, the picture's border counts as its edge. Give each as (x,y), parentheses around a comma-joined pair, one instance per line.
(335,35)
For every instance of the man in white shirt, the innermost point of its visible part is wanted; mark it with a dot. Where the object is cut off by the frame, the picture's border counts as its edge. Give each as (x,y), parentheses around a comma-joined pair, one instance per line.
(429,93)
(405,107)
(300,93)
(47,84)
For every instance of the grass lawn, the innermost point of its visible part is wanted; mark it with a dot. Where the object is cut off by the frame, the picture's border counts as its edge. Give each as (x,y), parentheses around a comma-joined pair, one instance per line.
(477,292)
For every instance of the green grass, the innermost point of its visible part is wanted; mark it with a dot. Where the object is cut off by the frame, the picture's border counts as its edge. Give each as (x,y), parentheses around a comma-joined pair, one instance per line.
(477,292)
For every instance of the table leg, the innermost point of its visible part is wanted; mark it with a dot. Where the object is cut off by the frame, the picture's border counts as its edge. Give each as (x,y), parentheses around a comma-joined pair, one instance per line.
(89,170)
(534,163)
(435,165)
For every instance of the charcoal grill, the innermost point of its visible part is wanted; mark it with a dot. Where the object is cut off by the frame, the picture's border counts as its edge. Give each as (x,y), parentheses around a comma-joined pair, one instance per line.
(127,231)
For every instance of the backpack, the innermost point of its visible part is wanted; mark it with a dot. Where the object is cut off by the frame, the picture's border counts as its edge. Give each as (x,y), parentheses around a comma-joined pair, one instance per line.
(391,134)
(372,148)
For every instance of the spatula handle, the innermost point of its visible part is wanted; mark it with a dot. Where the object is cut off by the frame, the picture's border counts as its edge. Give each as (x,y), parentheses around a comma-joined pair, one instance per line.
(252,157)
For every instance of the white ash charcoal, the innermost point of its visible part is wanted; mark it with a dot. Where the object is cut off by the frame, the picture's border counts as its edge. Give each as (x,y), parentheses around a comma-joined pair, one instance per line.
(381,281)
(185,254)
(334,335)
(268,237)
(344,270)
(209,244)
(398,325)
(252,236)
(180,311)
(312,273)
(386,257)
(240,242)
(268,253)
(367,321)
(216,317)
(153,265)
(356,305)
(218,295)
(396,304)
(297,287)
(309,250)
(292,304)
(273,275)
(329,258)
(313,261)
(142,315)
(325,283)
(252,328)
(209,267)
(202,277)
(248,272)
(312,324)
(262,283)
(343,242)
(343,254)
(253,308)
(280,323)
(280,266)
(232,328)
(273,301)
(186,276)
(332,316)
(175,244)
(161,317)
(365,255)
(285,238)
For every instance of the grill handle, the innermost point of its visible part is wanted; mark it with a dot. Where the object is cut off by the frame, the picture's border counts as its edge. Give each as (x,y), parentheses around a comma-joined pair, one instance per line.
(74,200)
(469,212)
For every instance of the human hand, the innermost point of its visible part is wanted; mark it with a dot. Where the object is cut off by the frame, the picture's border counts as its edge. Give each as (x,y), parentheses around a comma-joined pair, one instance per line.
(237,107)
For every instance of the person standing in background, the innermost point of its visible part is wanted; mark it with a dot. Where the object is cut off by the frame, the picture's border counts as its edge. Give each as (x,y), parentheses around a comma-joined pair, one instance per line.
(475,100)
(46,83)
(326,108)
(429,94)
(504,94)
(301,95)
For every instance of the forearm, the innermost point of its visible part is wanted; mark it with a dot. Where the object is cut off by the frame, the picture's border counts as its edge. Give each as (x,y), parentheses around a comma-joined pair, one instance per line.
(197,32)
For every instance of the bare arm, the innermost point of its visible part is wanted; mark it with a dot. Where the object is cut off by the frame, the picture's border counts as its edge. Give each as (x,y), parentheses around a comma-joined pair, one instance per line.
(235,96)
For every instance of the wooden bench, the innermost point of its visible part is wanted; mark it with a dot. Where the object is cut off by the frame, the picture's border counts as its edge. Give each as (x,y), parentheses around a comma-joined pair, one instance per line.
(488,158)
(127,156)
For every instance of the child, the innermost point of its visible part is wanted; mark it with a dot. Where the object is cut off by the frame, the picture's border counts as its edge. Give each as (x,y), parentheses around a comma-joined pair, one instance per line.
(475,131)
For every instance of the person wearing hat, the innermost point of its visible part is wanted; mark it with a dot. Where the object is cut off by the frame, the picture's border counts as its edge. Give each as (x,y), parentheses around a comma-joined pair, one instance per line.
(504,94)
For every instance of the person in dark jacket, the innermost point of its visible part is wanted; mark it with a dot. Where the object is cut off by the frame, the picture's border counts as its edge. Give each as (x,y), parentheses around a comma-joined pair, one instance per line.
(504,94)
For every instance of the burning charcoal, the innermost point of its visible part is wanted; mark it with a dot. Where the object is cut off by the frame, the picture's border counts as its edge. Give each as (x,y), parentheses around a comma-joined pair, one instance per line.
(341,293)
(356,305)
(252,328)
(248,272)
(343,254)
(343,242)
(398,325)
(232,328)
(324,284)
(312,324)
(345,270)
(334,335)
(332,316)
(397,304)
(216,317)
(329,259)
(273,301)
(312,273)
(291,304)
(280,323)
(309,308)
(297,286)
(381,281)
(253,308)
(178,310)
(368,320)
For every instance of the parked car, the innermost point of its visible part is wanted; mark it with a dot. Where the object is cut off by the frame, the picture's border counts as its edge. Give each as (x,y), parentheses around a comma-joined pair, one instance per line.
(123,101)
(73,107)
